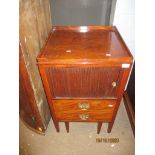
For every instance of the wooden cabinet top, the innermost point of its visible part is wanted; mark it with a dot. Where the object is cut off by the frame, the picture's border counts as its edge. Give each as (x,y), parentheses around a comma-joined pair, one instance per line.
(84,44)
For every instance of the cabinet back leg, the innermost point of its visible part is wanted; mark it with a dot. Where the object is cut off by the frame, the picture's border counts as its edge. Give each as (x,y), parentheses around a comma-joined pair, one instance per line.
(99,125)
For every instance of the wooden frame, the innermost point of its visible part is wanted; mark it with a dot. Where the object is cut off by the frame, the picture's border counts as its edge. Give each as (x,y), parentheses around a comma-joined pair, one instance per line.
(129,99)
(130,112)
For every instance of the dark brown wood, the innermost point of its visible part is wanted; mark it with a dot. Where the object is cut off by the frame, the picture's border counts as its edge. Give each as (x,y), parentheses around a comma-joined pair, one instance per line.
(99,125)
(47,91)
(56,124)
(27,105)
(130,111)
(87,65)
(67,105)
(69,110)
(89,83)
(130,90)
(129,99)
(67,126)
(84,44)
(74,116)
(110,125)
(120,95)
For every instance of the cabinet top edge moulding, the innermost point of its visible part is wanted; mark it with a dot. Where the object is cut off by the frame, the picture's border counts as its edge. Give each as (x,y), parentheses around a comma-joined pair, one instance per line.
(84,45)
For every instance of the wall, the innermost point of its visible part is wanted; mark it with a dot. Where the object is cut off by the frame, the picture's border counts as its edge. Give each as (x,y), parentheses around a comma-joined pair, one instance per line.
(82,12)
(124,20)
(34,26)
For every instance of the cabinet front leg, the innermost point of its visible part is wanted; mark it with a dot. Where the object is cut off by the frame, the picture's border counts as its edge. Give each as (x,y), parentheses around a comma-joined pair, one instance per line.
(99,125)
(67,126)
(110,125)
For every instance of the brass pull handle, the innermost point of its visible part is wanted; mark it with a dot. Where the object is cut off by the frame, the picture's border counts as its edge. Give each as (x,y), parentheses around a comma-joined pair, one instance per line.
(114,84)
(84,106)
(84,116)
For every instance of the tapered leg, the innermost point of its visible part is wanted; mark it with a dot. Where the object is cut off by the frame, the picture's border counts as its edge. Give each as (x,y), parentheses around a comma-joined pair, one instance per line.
(67,126)
(110,125)
(99,125)
(56,124)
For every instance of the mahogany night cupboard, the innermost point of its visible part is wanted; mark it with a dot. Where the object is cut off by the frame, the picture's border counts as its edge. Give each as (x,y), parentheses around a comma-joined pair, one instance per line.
(84,70)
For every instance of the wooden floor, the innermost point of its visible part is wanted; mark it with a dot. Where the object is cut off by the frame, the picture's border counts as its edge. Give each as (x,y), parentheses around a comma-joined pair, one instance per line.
(81,139)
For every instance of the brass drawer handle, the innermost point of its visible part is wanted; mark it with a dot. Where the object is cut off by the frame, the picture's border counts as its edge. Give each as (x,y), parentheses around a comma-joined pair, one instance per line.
(114,84)
(84,116)
(84,106)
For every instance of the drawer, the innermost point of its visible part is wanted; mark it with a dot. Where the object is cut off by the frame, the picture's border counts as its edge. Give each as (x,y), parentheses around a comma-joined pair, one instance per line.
(78,105)
(84,110)
(84,116)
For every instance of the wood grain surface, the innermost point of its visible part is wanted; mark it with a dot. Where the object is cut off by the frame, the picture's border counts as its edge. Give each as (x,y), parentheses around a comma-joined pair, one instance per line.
(88,82)
(84,64)
(88,43)
(71,105)
(34,26)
